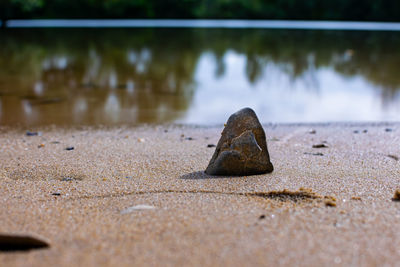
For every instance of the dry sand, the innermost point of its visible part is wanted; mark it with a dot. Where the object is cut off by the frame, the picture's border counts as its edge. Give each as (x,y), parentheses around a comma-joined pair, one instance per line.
(200,219)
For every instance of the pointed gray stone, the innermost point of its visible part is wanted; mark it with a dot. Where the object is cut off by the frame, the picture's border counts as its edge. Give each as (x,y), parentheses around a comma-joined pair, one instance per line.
(242,148)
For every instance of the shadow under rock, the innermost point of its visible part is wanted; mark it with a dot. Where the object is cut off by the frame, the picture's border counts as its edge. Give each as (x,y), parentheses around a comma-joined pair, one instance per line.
(201,175)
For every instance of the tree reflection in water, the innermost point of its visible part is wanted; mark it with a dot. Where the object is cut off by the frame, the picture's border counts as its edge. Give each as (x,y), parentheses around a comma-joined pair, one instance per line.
(115,76)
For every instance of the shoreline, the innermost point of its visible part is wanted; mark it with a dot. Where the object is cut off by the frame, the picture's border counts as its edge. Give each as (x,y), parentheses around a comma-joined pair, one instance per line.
(194,125)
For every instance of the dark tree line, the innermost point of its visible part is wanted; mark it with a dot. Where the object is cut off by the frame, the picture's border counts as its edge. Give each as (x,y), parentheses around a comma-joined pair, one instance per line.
(365,10)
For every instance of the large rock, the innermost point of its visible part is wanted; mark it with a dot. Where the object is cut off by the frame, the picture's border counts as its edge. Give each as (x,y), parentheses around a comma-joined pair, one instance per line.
(242,149)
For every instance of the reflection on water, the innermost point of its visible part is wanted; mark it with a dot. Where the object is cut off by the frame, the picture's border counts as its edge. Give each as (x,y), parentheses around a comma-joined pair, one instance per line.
(116,76)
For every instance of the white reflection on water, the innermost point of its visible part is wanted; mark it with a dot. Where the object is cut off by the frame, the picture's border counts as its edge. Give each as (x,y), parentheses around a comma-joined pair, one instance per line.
(80,106)
(94,65)
(57,62)
(112,108)
(29,113)
(277,98)
(38,88)
(145,55)
(113,80)
(130,87)
(132,57)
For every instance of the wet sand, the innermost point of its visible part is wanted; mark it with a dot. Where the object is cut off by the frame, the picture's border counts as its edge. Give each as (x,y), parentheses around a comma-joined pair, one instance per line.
(200,219)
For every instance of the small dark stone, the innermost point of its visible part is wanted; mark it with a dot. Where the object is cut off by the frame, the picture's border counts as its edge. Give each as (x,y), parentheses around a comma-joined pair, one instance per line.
(261,217)
(211,145)
(69,148)
(28,133)
(356,132)
(330,203)
(396,158)
(320,146)
(365,131)
(388,130)
(56,194)
(67,179)
(189,138)
(312,131)
(242,148)
(313,154)
(165,131)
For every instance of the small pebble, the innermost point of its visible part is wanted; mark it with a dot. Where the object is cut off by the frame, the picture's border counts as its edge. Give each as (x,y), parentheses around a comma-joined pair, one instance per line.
(28,133)
(365,131)
(330,203)
(69,148)
(189,138)
(322,145)
(261,217)
(41,145)
(312,131)
(141,140)
(313,154)
(67,179)
(55,142)
(388,130)
(396,158)
(356,132)
(56,194)
(211,145)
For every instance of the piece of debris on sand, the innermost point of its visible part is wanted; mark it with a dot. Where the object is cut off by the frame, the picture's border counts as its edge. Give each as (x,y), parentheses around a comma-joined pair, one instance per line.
(322,145)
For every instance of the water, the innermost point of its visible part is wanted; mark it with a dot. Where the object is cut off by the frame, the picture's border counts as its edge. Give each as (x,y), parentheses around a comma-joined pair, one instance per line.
(195,75)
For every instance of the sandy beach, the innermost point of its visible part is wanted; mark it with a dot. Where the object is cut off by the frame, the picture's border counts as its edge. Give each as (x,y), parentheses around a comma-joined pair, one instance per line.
(321,206)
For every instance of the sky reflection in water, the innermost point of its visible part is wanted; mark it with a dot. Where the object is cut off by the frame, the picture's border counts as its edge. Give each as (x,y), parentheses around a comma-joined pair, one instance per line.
(319,95)
(199,76)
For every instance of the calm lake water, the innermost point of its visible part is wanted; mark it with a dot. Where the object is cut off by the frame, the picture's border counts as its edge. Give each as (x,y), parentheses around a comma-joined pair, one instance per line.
(200,76)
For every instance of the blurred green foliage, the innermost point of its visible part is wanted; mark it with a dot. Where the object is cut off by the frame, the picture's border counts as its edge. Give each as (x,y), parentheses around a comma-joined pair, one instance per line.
(366,10)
